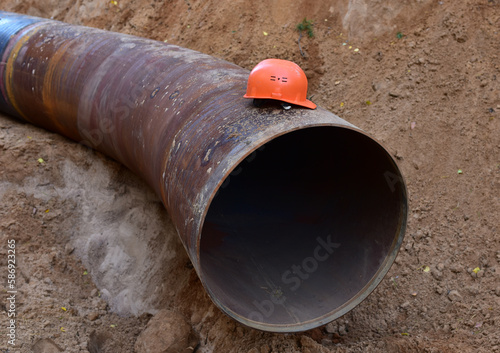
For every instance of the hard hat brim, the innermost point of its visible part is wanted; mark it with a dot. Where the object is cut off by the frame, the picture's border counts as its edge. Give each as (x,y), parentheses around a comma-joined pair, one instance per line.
(306,103)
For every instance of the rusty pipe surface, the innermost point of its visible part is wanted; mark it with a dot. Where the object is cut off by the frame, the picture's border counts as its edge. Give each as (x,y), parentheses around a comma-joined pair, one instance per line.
(290,218)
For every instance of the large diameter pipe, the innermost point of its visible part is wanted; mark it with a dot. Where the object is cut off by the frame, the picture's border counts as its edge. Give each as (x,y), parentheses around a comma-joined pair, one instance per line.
(290,218)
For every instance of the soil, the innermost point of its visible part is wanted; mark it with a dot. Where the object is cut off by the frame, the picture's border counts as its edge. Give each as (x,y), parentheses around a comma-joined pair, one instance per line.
(97,256)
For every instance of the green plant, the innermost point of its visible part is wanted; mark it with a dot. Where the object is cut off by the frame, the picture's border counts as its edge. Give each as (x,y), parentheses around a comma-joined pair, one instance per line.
(307,26)
(304,26)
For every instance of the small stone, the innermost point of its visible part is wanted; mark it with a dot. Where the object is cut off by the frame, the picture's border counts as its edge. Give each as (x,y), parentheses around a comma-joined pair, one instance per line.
(342,330)
(455,268)
(440,266)
(439,290)
(166,332)
(332,327)
(405,305)
(438,275)
(94,292)
(454,296)
(497,291)
(102,305)
(398,155)
(69,248)
(93,316)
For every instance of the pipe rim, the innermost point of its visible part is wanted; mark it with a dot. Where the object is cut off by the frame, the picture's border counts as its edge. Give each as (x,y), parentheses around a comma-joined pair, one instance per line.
(358,297)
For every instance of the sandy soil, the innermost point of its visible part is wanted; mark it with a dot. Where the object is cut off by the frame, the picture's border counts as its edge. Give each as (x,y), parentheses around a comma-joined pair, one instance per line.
(100,268)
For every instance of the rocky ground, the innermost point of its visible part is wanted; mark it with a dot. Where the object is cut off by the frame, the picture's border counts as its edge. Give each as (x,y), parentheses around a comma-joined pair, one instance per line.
(422,77)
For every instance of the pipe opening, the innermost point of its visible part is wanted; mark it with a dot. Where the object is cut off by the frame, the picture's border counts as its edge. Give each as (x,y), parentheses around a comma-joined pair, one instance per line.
(303,229)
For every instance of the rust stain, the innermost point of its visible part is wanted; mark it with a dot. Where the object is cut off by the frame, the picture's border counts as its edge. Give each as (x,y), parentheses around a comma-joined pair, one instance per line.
(9,69)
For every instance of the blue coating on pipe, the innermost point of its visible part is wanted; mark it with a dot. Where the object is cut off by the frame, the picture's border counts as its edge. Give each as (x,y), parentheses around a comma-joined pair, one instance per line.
(10,25)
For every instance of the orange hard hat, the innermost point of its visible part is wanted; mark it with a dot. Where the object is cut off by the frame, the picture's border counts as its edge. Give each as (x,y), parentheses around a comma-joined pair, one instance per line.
(281,80)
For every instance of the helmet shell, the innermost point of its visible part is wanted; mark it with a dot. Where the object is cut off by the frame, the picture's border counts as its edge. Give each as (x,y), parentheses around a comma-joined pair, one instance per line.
(281,80)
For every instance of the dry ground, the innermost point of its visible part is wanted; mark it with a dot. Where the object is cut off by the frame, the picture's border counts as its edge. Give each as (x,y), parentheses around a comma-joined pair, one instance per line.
(425,82)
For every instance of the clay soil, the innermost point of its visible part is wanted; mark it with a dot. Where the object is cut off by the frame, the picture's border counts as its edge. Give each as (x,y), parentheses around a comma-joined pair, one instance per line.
(422,77)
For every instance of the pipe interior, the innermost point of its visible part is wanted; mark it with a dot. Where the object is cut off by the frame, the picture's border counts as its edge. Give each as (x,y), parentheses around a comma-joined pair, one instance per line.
(302,226)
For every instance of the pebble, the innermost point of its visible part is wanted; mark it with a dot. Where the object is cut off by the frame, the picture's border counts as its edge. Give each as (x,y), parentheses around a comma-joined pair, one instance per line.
(332,327)
(166,332)
(454,296)
(405,304)
(440,266)
(93,316)
(497,291)
(438,275)
(69,248)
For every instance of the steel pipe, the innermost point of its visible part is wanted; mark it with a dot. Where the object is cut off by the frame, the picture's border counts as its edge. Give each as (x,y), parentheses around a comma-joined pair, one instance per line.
(290,218)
